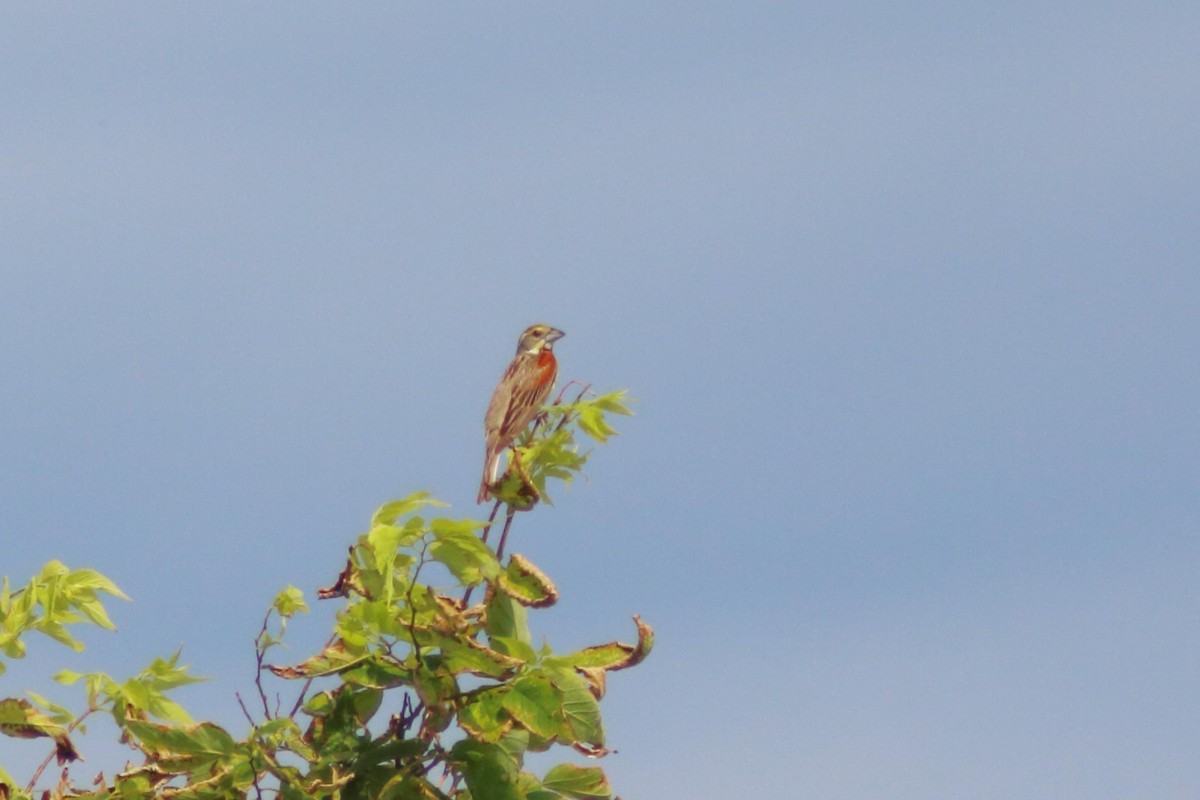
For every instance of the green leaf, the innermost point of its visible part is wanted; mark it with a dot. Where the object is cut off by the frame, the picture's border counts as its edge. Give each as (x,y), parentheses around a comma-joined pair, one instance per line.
(192,749)
(66,677)
(484,718)
(434,685)
(535,704)
(490,772)
(399,787)
(614,402)
(52,569)
(531,788)
(365,621)
(365,703)
(163,673)
(93,580)
(612,656)
(383,540)
(12,646)
(467,558)
(386,570)
(604,656)
(464,654)
(58,633)
(330,660)
(52,600)
(377,671)
(516,742)
(390,749)
(19,719)
(164,707)
(514,648)
(582,727)
(319,705)
(506,619)
(542,794)
(280,731)
(289,602)
(139,783)
(94,610)
(442,526)
(582,783)
(592,422)
(146,690)
(58,714)
(389,513)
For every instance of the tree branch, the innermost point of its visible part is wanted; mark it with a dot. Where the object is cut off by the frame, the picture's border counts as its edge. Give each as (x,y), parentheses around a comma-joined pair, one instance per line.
(46,762)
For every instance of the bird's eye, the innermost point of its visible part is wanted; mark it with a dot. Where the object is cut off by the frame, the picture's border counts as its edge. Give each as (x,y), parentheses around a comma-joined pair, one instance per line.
(539,331)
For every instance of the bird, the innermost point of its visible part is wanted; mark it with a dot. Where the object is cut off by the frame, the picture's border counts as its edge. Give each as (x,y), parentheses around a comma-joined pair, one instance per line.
(518,398)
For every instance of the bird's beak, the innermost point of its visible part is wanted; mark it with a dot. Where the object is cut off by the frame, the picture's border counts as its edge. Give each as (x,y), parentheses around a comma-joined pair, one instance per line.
(554,335)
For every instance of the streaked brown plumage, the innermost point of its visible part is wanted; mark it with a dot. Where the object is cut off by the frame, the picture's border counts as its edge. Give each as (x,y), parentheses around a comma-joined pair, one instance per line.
(518,398)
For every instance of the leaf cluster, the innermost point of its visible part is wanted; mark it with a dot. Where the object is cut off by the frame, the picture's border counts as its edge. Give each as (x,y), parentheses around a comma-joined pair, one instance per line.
(418,693)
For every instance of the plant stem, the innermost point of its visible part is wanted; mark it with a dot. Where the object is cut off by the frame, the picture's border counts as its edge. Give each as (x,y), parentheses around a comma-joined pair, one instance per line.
(46,761)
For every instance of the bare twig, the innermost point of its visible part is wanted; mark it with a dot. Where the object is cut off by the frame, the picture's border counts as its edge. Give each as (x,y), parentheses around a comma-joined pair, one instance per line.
(558,402)
(466,600)
(46,762)
(491,518)
(504,533)
(563,391)
(409,711)
(308,683)
(245,711)
(260,652)
(585,388)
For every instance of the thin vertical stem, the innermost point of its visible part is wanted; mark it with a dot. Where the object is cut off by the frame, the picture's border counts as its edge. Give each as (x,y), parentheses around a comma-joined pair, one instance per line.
(504,534)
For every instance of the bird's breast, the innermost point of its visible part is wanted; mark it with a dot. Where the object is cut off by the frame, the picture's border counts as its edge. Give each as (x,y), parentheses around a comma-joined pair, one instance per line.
(547,367)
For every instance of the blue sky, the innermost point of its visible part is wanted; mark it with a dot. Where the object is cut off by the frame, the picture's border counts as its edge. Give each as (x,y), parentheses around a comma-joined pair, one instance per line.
(907,293)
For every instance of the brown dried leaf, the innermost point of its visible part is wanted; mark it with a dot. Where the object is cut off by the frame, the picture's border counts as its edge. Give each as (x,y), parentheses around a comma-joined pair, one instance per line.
(590,751)
(642,649)
(332,659)
(505,662)
(341,587)
(597,678)
(527,584)
(64,751)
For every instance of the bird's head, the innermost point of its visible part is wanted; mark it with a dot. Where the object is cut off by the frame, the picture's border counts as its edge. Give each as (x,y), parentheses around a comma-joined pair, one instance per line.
(537,338)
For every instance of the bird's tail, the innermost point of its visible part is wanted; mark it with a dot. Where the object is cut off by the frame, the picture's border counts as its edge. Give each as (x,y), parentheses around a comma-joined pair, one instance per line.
(491,465)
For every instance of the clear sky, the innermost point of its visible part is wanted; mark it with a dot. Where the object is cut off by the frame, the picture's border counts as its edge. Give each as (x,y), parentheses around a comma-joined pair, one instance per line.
(907,292)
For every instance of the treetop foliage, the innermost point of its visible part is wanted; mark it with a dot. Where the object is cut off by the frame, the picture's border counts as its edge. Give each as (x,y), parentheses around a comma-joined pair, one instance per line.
(421,691)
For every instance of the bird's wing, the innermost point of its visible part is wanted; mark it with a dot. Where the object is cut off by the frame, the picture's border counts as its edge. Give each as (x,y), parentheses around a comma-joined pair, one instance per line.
(498,407)
(527,393)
